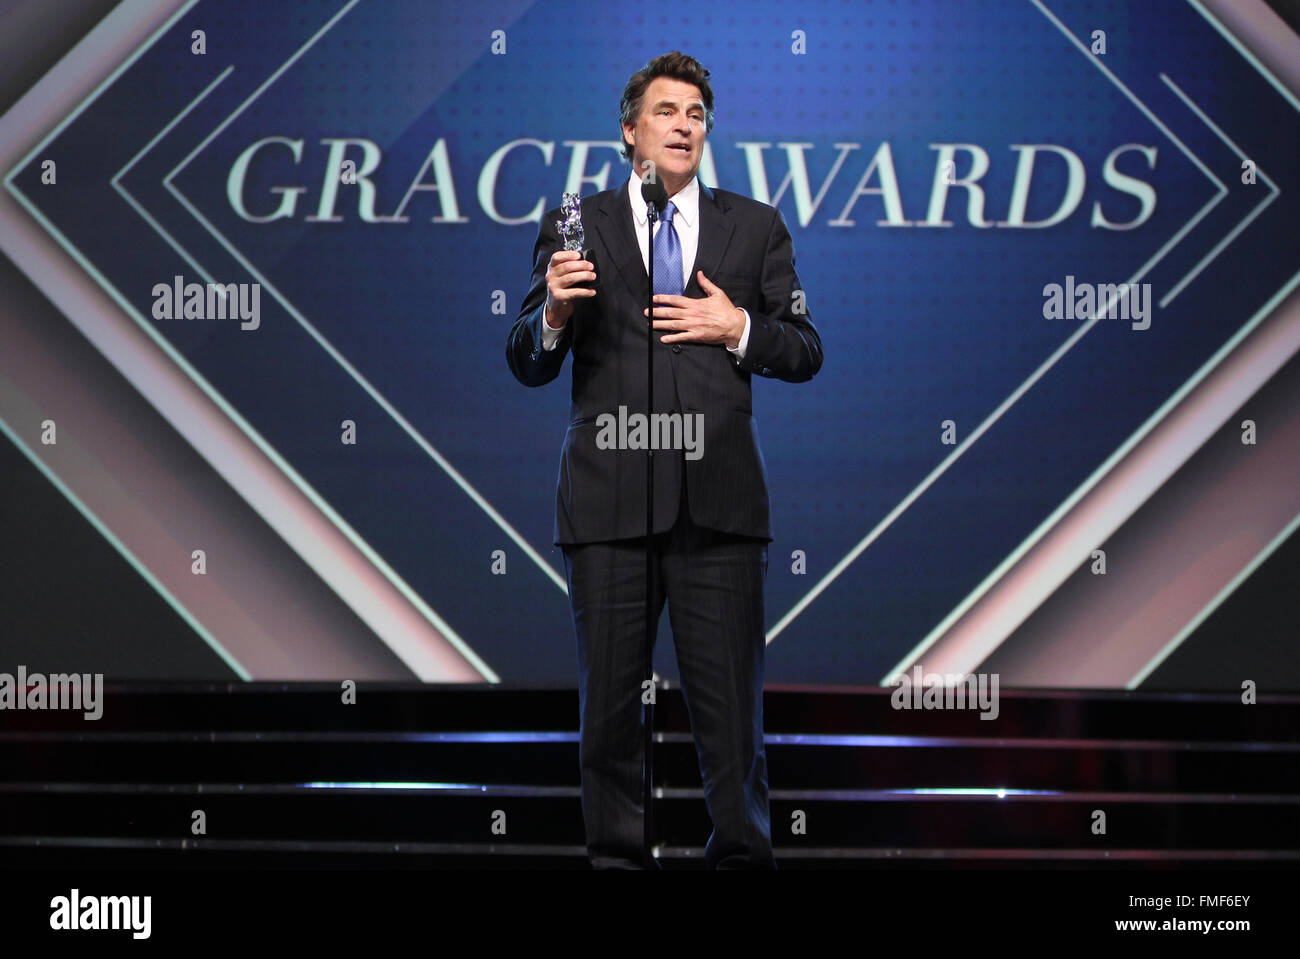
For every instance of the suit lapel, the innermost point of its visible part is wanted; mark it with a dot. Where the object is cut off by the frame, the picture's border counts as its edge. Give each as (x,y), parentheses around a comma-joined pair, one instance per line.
(716,228)
(617,230)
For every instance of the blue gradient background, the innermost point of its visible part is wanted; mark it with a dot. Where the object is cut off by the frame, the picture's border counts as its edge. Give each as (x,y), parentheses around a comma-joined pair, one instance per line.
(919,325)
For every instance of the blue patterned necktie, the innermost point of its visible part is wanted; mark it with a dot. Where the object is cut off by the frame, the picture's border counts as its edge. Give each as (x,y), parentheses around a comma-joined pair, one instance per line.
(668,255)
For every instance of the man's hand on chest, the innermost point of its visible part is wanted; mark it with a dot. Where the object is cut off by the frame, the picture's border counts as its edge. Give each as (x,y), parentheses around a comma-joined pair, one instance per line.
(710,319)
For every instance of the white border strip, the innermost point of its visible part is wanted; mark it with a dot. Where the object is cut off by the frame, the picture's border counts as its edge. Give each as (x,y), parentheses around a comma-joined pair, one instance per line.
(1275,192)
(135,204)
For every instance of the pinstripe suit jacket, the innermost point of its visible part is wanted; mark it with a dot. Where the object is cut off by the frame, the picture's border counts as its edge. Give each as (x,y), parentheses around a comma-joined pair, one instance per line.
(744,248)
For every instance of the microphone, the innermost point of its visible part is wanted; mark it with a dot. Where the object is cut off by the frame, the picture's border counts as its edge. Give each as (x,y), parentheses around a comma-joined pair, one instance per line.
(655,194)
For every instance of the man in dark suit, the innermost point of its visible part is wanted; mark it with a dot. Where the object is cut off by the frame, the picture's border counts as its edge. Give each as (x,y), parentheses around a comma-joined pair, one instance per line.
(728,305)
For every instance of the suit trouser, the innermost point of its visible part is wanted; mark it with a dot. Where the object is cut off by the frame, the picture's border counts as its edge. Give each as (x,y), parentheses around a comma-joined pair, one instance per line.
(713,583)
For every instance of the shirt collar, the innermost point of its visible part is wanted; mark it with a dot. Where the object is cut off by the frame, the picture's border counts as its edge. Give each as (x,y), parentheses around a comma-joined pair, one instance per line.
(686,201)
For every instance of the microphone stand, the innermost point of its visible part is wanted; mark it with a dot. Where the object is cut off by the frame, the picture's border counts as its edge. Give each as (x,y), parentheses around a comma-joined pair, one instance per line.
(652,216)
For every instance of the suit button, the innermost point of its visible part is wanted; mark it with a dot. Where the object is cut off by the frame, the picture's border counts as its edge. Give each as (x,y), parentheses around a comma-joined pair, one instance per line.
(676,348)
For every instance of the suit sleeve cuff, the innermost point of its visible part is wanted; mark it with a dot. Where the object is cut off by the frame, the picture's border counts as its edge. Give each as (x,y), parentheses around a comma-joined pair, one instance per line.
(739,351)
(549,336)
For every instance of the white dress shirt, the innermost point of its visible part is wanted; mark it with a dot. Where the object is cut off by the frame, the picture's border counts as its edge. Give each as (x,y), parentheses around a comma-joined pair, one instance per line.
(686,219)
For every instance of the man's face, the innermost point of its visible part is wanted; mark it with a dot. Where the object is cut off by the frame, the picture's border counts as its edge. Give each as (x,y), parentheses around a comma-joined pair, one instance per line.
(670,130)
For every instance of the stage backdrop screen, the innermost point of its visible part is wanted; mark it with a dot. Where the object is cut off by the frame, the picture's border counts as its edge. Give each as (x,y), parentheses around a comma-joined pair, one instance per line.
(968,187)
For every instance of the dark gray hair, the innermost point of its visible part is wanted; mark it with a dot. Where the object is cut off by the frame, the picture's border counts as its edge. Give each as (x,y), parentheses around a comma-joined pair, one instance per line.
(676,65)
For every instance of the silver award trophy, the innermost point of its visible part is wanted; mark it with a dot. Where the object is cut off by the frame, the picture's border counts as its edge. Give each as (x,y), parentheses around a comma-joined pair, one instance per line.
(570,228)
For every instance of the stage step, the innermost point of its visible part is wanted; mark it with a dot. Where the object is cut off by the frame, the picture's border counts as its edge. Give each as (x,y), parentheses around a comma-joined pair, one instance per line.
(423,775)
